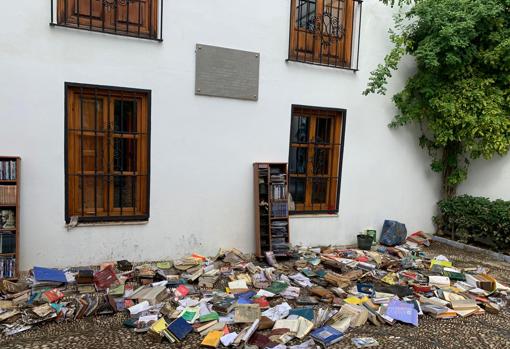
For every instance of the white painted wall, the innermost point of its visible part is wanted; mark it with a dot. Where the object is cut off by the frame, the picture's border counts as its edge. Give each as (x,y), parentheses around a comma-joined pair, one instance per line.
(202,147)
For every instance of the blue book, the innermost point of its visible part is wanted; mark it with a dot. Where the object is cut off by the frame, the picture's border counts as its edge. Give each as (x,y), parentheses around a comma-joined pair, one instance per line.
(47,274)
(327,335)
(180,328)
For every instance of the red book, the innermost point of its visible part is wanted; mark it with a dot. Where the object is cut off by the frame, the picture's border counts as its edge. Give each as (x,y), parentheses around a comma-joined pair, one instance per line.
(106,278)
(53,295)
(262,302)
(181,291)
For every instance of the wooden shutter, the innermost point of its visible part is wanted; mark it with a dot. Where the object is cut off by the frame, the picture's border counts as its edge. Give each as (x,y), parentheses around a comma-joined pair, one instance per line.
(138,17)
(90,13)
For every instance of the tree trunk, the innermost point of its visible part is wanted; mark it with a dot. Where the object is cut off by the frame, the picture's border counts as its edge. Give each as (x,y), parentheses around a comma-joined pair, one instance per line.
(450,157)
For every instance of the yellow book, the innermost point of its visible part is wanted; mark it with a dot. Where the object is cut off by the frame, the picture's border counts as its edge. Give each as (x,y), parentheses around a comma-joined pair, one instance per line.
(212,340)
(159,326)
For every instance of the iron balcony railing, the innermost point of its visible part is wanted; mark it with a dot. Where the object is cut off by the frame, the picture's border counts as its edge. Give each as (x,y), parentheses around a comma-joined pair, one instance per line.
(326,32)
(134,18)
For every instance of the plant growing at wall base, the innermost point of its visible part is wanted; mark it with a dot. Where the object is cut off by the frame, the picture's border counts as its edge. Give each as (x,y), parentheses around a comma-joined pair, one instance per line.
(460,93)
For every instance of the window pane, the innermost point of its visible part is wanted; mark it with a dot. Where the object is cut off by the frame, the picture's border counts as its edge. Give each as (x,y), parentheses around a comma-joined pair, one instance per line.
(323,131)
(319,190)
(125,116)
(299,129)
(93,153)
(88,194)
(92,109)
(305,14)
(321,161)
(297,160)
(297,188)
(124,191)
(124,154)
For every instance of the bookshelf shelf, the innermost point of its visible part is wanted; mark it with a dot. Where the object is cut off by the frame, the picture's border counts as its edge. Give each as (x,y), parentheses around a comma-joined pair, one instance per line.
(271,208)
(9,216)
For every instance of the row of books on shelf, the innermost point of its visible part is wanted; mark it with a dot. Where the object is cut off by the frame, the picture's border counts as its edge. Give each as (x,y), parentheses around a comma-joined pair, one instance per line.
(8,170)
(280,209)
(7,267)
(7,194)
(7,243)
(279,191)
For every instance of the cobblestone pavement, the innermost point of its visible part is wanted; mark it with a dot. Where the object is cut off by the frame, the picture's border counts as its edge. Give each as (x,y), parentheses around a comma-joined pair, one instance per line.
(486,331)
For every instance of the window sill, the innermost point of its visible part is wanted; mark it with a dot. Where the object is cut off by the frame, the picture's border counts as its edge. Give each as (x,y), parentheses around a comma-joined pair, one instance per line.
(103,224)
(339,67)
(318,215)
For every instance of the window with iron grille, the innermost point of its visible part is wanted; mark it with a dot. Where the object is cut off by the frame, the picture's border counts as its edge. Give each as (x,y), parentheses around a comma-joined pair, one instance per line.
(315,158)
(107,153)
(325,32)
(136,18)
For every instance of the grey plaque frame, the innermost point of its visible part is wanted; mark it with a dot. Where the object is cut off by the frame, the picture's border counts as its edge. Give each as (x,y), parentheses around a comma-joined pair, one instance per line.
(225,72)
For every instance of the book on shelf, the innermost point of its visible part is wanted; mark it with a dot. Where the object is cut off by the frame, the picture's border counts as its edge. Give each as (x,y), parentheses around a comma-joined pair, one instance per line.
(8,170)
(7,242)
(7,267)
(7,195)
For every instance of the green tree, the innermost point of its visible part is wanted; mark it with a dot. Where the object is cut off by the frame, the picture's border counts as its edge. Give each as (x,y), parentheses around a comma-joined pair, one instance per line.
(460,93)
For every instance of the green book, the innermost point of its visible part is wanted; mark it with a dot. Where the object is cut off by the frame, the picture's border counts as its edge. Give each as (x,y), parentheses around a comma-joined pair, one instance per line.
(209,317)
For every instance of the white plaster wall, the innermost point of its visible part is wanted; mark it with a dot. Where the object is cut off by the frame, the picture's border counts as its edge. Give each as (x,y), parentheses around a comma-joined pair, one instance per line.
(202,147)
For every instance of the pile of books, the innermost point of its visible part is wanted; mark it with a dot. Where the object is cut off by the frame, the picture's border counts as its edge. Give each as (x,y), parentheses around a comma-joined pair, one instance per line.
(8,170)
(7,194)
(7,267)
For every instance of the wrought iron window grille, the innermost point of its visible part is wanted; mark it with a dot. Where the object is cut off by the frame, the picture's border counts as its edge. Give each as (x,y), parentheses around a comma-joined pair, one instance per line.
(142,19)
(326,33)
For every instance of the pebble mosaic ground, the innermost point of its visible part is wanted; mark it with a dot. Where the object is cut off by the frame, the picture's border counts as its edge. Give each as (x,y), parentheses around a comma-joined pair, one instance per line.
(483,331)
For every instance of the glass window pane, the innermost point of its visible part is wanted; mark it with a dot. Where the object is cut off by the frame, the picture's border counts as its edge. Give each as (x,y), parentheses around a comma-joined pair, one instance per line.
(299,129)
(297,160)
(124,154)
(124,191)
(319,190)
(125,116)
(297,188)
(321,161)
(323,131)
(305,14)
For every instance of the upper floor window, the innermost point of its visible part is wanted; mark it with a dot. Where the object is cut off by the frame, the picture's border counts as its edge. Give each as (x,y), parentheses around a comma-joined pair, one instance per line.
(325,32)
(107,153)
(137,18)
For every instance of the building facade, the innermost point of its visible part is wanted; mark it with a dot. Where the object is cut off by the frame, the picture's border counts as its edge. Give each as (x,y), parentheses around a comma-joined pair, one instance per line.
(135,147)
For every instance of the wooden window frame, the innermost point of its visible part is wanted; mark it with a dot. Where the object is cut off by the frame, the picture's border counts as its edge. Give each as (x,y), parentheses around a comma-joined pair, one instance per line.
(335,160)
(316,45)
(95,15)
(74,171)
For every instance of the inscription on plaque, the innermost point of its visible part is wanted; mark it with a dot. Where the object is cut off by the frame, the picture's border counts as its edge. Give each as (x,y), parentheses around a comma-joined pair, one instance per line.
(224,72)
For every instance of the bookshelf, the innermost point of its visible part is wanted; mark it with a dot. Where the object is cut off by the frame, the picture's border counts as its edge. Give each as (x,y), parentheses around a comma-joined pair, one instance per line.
(9,216)
(271,208)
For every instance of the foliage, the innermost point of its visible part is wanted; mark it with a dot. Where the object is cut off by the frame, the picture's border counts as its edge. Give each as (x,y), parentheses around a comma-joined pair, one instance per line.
(460,93)
(475,219)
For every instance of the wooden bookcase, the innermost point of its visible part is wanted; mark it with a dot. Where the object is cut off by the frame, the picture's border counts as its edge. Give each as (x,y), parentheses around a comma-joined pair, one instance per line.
(272,231)
(9,204)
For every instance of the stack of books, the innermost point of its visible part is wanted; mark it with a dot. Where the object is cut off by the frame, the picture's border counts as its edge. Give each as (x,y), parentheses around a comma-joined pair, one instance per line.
(279,236)
(279,191)
(7,195)
(8,170)
(7,267)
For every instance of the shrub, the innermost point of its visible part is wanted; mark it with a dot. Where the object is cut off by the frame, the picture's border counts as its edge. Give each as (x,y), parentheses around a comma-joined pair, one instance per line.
(475,220)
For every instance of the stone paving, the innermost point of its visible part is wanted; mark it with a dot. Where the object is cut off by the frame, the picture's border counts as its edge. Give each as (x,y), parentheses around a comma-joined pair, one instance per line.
(485,331)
